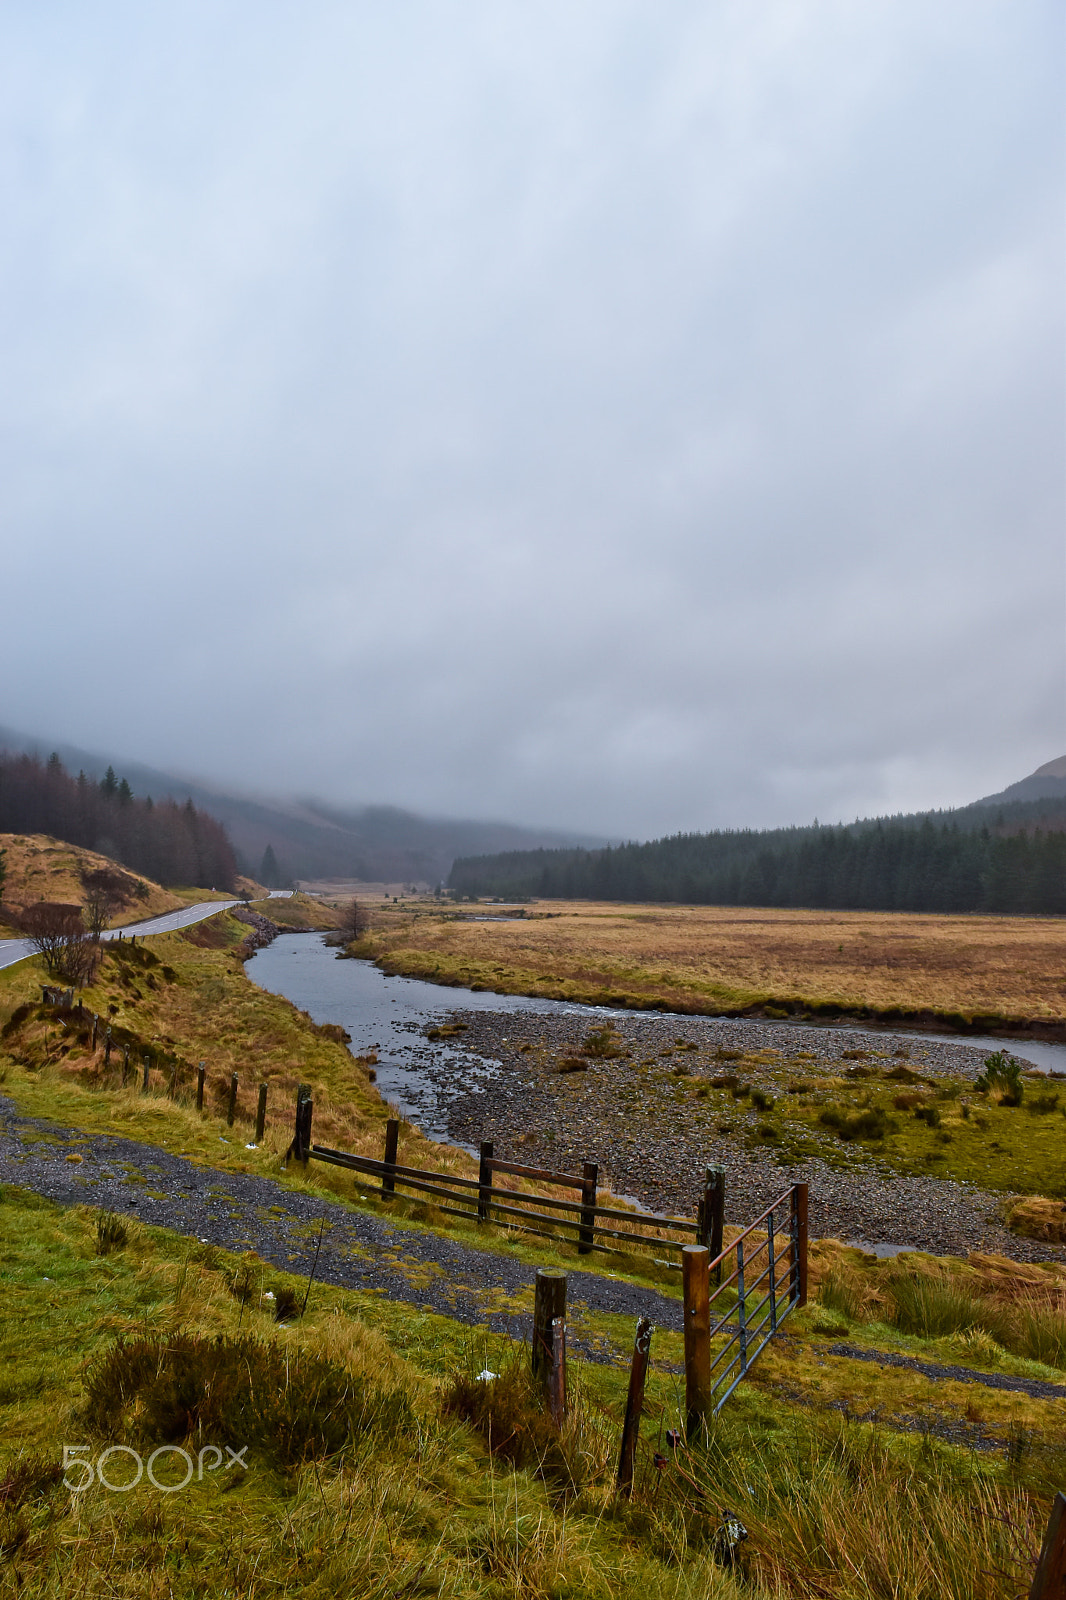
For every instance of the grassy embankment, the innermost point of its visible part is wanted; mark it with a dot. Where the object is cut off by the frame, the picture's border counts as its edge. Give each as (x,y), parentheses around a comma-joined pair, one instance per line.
(38,867)
(391,1487)
(986,973)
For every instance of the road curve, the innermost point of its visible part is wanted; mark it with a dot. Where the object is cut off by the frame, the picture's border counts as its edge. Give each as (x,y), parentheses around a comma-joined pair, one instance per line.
(13,950)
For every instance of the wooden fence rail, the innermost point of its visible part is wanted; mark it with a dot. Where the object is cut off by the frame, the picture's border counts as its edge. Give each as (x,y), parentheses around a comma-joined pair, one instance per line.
(482,1200)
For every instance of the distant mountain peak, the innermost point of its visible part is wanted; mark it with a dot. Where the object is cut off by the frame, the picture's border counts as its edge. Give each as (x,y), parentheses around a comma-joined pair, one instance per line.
(1046,783)
(1052,769)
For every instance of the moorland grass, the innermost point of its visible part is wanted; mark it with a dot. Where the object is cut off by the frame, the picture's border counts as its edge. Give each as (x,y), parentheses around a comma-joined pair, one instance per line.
(712,959)
(398,1484)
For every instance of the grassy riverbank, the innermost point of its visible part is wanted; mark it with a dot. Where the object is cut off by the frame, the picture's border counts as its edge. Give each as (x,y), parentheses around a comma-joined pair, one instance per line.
(405,1496)
(983,973)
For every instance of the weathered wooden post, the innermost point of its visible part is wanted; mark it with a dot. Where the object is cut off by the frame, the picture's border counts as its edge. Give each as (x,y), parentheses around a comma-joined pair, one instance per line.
(549,1305)
(231,1109)
(392,1139)
(107,1047)
(712,1215)
(557,1380)
(147,1068)
(125,1063)
(301,1141)
(201,1073)
(590,1173)
(96,1023)
(638,1372)
(172,1087)
(1049,1582)
(484,1178)
(799,1243)
(694,1262)
(260,1114)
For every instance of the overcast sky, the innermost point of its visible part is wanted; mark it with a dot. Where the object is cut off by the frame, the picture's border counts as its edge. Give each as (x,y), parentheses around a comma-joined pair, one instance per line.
(622,416)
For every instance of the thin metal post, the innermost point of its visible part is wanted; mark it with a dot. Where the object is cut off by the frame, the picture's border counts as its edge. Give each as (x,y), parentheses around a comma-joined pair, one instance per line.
(260,1115)
(125,1063)
(144,1082)
(799,1215)
(773,1272)
(107,1047)
(742,1322)
(231,1109)
(714,1215)
(201,1073)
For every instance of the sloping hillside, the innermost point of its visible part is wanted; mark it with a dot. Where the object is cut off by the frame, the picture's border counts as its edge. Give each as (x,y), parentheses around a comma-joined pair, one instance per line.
(41,868)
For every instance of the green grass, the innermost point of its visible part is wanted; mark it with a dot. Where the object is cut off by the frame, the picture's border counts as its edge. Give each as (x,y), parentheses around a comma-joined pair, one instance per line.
(392,1487)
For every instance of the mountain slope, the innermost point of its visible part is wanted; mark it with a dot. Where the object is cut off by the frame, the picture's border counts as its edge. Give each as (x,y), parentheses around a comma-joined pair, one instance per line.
(312,839)
(1046,783)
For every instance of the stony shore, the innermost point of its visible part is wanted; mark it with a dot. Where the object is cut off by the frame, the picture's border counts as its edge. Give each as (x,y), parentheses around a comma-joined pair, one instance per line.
(646,1148)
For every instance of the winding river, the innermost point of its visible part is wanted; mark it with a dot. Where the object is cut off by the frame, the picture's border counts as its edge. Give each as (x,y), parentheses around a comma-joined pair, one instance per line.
(390,1016)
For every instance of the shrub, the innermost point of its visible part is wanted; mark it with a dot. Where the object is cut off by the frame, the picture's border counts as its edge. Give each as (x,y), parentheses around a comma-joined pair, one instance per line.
(1043,1105)
(869,1124)
(111,1233)
(291,1405)
(928,1114)
(1002,1076)
(603,1044)
(761,1100)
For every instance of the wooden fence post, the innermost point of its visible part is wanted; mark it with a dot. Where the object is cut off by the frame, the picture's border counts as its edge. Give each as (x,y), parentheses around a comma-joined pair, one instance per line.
(638,1373)
(694,1262)
(557,1381)
(125,1063)
(200,1074)
(1050,1580)
(231,1109)
(392,1138)
(96,1024)
(147,1068)
(799,1242)
(549,1304)
(301,1141)
(484,1178)
(260,1114)
(107,1047)
(589,1175)
(172,1090)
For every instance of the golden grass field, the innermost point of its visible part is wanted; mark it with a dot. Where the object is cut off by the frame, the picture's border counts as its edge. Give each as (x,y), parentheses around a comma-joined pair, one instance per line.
(717,959)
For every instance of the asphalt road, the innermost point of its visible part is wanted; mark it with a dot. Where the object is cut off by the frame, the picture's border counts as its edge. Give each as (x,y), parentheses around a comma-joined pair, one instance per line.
(12,950)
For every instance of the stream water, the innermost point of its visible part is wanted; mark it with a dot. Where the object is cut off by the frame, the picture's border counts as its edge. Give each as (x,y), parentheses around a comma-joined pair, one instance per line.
(390,1016)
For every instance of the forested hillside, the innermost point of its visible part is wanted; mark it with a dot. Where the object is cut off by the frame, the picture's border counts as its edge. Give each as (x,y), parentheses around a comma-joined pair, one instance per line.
(169,843)
(976,861)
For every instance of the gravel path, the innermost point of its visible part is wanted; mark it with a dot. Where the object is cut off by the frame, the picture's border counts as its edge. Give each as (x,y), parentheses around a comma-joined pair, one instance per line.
(648,1149)
(359,1251)
(1035,1388)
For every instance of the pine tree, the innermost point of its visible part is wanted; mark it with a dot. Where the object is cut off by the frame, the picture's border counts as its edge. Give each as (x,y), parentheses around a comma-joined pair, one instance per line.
(269,871)
(109,783)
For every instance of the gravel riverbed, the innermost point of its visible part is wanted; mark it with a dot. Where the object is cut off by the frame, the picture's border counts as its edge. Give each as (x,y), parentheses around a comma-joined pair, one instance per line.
(651,1146)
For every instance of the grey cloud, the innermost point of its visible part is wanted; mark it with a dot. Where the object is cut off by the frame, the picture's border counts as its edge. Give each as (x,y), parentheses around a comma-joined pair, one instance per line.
(607,417)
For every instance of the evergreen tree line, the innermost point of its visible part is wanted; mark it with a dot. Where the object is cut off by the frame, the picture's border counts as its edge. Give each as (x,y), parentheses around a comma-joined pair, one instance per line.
(172,843)
(895,864)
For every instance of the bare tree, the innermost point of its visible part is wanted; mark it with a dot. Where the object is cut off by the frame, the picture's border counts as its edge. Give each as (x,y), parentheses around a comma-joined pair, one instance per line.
(106,891)
(58,933)
(353,924)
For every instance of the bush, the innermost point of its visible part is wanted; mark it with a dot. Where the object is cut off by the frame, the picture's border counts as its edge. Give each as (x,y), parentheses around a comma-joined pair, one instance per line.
(289,1404)
(1002,1076)
(928,1114)
(761,1100)
(111,1233)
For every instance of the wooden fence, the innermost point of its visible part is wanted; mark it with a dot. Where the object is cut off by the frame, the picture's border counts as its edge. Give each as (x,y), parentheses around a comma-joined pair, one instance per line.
(582,1220)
